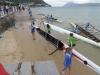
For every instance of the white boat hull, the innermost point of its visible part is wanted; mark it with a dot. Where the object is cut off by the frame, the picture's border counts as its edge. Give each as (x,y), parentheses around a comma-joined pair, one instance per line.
(61,30)
(83,59)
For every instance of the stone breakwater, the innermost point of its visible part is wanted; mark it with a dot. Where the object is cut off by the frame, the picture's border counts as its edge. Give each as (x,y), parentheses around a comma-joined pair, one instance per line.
(6,22)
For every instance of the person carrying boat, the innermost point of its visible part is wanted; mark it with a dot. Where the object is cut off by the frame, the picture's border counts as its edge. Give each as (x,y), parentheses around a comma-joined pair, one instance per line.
(71,40)
(67,61)
(87,26)
(48,28)
(33,30)
(33,21)
(76,29)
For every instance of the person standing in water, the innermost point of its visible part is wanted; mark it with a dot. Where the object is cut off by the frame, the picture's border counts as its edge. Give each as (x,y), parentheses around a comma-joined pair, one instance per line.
(33,31)
(67,61)
(48,28)
(87,26)
(76,29)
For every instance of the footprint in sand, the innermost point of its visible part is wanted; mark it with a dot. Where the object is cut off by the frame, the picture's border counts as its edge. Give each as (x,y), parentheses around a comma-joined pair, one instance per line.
(45,49)
(22,55)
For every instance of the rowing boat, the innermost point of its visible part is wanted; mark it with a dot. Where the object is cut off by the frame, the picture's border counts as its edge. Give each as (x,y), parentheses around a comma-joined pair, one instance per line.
(62,46)
(88,35)
(52,19)
(61,30)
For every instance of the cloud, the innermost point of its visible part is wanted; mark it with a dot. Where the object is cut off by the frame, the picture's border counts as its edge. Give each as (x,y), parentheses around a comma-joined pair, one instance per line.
(94,1)
(56,4)
(63,2)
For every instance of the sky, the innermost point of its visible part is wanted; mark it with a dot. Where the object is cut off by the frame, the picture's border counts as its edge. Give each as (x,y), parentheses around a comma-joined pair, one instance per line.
(59,3)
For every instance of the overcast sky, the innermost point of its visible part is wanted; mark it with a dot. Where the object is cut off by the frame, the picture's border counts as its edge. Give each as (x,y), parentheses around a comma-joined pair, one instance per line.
(63,2)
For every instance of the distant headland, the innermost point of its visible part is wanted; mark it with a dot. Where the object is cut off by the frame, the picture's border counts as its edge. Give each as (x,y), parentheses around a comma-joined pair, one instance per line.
(85,4)
(32,3)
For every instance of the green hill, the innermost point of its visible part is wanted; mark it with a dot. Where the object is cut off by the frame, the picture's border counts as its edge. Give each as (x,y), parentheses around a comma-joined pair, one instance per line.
(36,2)
(21,1)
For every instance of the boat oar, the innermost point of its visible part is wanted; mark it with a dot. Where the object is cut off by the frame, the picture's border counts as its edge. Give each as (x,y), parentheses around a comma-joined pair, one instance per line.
(69,28)
(83,25)
(94,28)
(53,51)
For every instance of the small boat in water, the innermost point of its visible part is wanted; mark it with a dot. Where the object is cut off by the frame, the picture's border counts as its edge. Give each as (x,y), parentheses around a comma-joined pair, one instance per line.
(87,34)
(49,18)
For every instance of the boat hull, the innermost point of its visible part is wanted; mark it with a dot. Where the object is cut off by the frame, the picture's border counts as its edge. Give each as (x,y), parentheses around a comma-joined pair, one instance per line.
(61,30)
(77,55)
(52,20)
(86,33)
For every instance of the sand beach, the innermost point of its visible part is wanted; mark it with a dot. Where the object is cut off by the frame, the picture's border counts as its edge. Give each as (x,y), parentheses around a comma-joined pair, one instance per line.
(18,46)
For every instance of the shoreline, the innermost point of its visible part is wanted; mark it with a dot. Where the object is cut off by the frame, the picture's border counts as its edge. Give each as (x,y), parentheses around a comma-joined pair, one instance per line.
(20,45)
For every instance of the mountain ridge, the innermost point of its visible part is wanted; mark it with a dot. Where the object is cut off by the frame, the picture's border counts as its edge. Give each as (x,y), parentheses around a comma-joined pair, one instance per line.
(85,4)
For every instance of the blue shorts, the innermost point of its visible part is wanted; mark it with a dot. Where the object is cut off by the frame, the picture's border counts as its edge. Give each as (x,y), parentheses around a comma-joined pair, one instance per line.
(66,67)
(0,10)
(32,31)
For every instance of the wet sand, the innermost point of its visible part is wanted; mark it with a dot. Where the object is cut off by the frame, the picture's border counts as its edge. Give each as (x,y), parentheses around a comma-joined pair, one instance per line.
(18,46)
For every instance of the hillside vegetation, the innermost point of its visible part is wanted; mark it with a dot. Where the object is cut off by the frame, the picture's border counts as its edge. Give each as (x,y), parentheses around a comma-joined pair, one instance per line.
(22,1)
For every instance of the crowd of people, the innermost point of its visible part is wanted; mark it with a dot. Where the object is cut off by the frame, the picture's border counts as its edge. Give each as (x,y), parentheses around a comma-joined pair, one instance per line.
(71,40)
(68,52)
(6,9)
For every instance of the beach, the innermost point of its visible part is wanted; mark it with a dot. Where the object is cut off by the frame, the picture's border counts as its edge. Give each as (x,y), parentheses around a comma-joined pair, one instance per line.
(18,46)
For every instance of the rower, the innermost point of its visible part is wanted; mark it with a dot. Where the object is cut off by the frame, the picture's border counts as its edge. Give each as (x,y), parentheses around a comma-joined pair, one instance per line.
(51,17)
(48,17)
(76,29)
(87,25)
